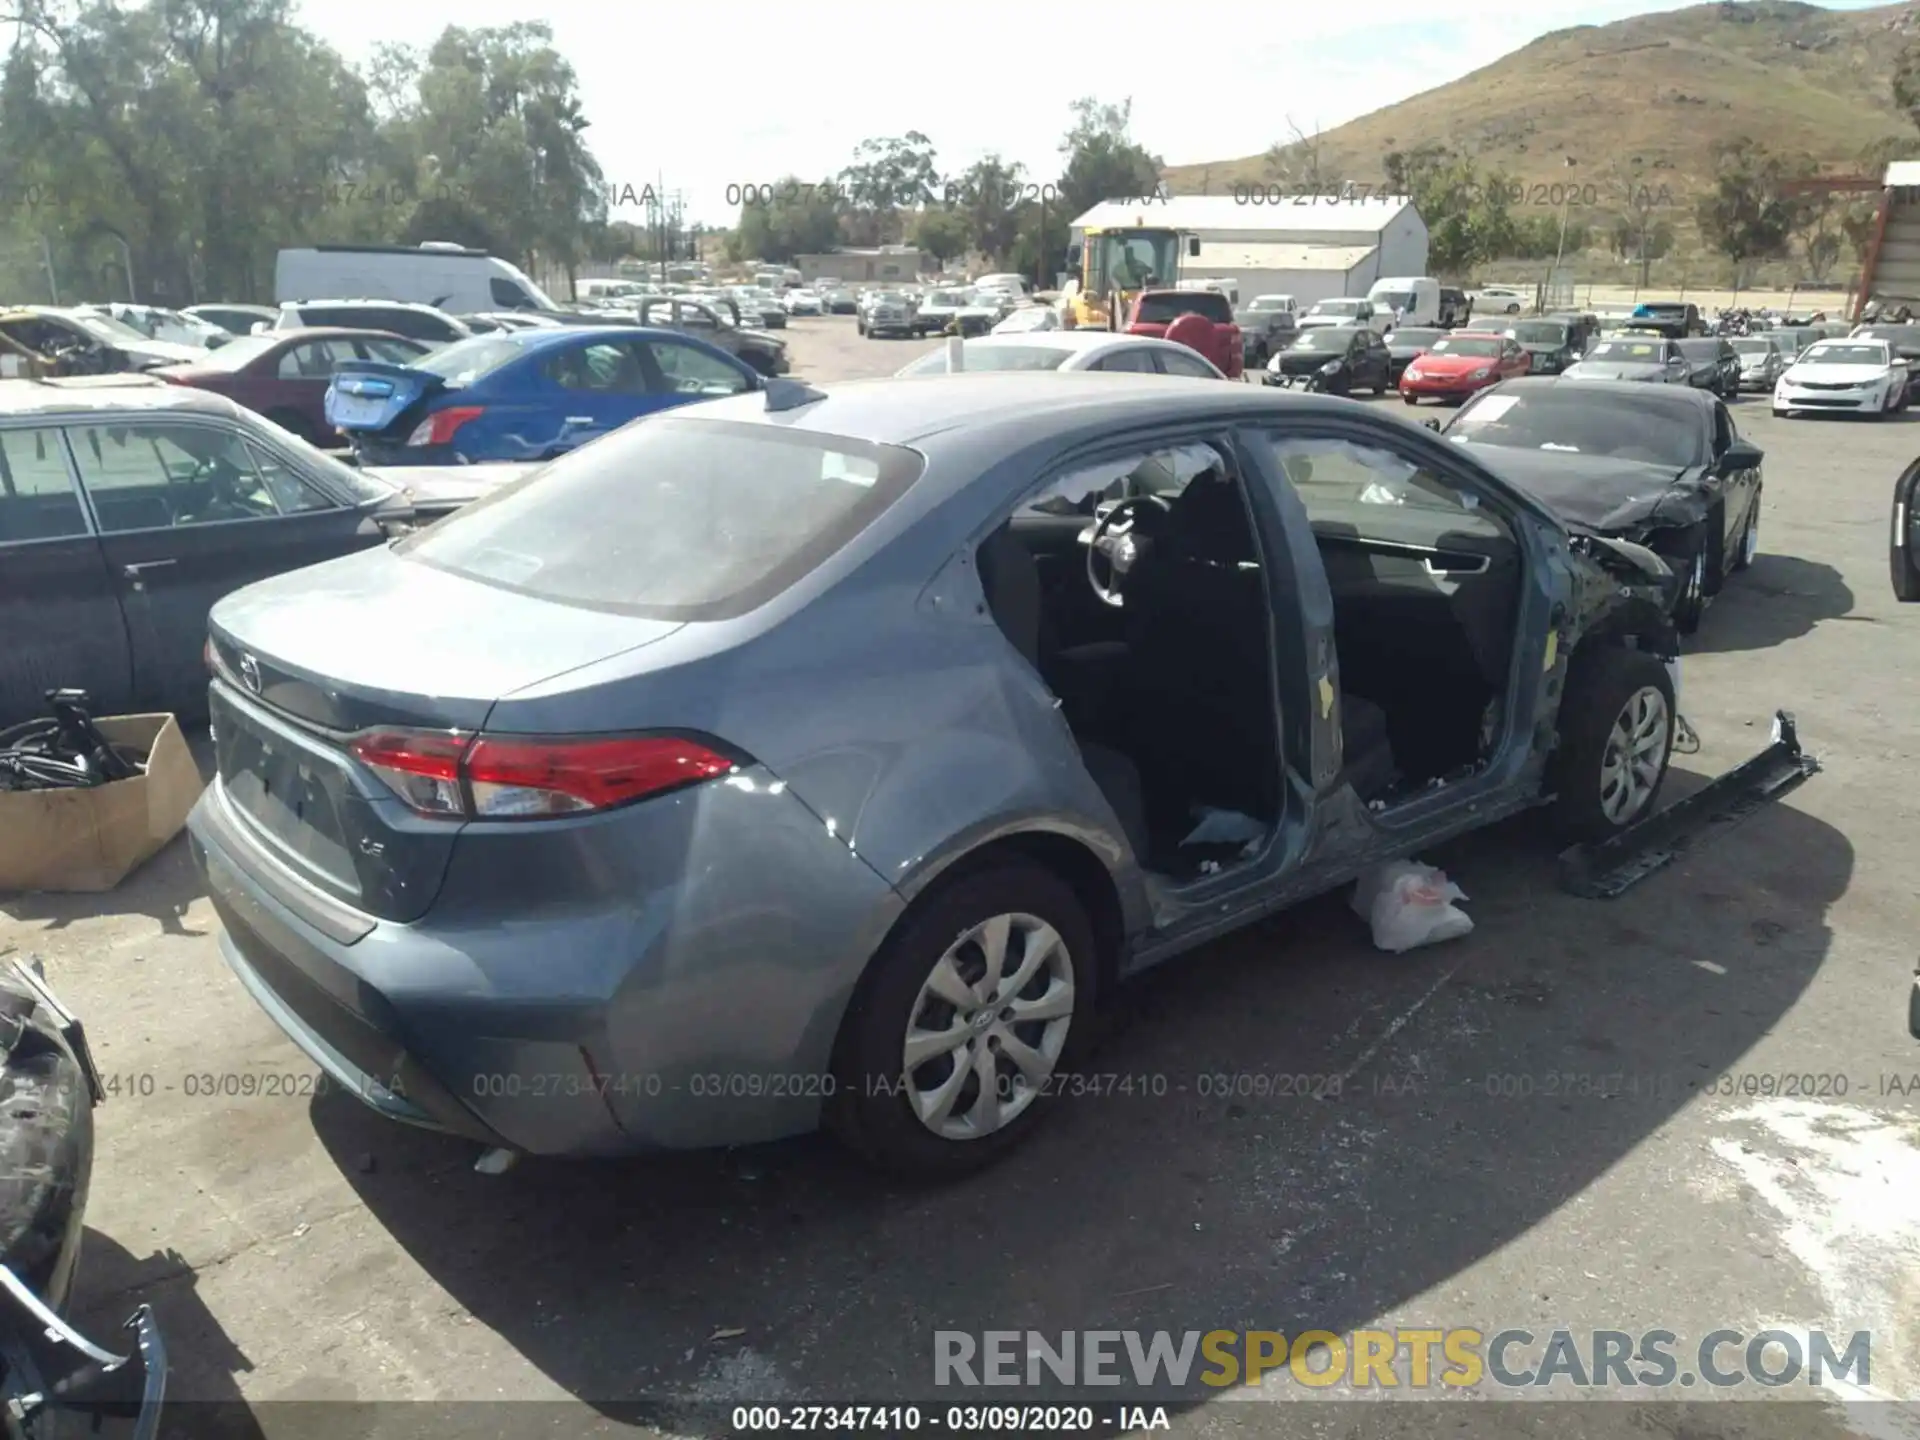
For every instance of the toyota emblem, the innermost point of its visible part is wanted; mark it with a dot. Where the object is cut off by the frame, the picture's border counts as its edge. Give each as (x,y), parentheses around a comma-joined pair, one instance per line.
(250,673)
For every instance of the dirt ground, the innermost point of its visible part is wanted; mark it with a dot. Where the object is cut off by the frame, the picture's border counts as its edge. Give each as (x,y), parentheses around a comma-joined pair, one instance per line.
(1527,1134)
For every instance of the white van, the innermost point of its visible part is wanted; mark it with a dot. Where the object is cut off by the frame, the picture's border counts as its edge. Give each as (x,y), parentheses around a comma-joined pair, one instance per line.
(1408,299)
(438,273)
(1221,286)
(1012,284)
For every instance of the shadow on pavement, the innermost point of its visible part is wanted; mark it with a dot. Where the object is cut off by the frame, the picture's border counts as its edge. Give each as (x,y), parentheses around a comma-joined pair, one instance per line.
(1780,598)
(1208,1193)
(203,1392)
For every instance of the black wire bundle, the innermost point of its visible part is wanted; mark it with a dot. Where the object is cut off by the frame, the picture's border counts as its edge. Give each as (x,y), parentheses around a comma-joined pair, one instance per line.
(64,750)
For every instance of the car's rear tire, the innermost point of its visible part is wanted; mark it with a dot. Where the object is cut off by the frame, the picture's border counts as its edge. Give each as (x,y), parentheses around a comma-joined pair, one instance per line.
(879,1101)
(1779,413)
(1616,737)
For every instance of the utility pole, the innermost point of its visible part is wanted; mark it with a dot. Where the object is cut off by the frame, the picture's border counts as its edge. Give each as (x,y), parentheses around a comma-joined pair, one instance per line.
(1566,206)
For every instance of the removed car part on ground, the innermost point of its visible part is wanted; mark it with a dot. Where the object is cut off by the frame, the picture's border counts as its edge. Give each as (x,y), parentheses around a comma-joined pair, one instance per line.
(54,1382)
(1610,867)
(83,803)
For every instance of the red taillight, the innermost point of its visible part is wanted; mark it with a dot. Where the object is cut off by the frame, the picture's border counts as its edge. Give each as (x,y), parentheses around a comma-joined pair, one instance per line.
(508,777)
(439,427)
(422,768)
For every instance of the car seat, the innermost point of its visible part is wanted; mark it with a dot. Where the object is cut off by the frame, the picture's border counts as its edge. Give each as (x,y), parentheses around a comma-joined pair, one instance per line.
(1010,582)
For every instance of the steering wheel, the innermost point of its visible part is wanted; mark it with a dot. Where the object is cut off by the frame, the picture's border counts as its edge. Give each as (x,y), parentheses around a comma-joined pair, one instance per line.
(1115,540)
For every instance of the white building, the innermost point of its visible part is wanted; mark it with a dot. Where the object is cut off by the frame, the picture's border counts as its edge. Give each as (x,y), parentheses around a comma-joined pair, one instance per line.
(1314,250)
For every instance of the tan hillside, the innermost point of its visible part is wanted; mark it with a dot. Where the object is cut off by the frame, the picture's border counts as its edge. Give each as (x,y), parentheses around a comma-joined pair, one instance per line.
(1662,90)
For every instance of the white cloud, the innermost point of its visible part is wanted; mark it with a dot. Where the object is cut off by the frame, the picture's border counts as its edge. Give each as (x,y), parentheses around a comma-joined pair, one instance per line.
(706,95)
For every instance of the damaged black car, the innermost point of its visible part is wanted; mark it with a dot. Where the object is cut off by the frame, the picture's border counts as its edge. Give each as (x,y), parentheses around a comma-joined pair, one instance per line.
(1661,466)
(54,1381)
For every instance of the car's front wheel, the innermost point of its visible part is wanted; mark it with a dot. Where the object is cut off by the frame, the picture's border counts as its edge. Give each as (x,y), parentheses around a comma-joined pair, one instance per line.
(1616,737)
(949,1053)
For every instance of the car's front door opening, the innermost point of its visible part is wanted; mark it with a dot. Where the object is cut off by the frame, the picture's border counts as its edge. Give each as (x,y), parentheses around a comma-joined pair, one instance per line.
(1135,586)
(1426,593)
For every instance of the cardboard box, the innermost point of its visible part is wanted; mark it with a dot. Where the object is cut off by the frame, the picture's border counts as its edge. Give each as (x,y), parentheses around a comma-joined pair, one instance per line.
(92,839)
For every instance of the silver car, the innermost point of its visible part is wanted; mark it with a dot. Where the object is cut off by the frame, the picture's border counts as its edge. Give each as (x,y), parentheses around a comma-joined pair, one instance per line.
(888,312)
(737,774)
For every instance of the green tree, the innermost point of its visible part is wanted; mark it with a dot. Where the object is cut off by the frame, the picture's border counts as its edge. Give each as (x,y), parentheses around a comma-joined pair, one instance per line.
(888,177)
(942,232)
(1102,160)
(799,218)
(987,196)
(1746,216)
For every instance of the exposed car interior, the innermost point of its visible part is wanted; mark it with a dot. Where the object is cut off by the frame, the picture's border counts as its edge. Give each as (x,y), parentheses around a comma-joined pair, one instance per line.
(1426,594)
(1136,589)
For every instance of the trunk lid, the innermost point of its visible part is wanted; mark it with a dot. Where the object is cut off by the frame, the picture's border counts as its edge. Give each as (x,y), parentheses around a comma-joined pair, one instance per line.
(306,659)
(366,397)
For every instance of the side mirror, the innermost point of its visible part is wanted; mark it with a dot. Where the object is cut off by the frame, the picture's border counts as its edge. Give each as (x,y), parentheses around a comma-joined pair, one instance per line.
(1741,455)
(1433,425)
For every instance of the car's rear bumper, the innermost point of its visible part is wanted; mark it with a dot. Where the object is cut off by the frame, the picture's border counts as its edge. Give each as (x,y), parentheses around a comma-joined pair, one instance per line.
(687,996)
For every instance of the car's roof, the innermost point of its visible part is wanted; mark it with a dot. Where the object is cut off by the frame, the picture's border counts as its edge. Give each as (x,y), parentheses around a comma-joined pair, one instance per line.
(1475,334)
(1080,341)
(364,300)
(98,393)
(1004,407)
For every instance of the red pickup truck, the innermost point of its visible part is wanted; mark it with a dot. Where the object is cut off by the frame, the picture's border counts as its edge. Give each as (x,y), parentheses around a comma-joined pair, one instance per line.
(1221,343)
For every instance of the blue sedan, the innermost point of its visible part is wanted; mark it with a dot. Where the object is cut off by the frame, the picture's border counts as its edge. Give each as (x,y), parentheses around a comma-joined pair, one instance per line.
(529,395)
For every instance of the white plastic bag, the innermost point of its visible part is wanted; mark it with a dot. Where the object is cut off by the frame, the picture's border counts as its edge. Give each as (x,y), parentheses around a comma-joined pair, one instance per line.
(1408,905)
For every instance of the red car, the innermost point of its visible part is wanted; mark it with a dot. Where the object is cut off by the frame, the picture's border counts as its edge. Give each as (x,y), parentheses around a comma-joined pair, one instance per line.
(1156,311)
(1462,364)
(283,374)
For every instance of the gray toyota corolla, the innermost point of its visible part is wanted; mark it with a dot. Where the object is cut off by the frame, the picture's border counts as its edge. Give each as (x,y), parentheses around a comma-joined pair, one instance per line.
(824,757)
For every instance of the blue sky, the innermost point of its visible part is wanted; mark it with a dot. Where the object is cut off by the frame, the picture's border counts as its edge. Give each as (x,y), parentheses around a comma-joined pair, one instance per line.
(746,91)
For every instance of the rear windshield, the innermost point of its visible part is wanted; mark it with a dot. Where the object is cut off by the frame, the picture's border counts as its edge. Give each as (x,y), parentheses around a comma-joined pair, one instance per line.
(1628,352)
(673,519)
(465,361)
(1470,345)
(1406,338)
(1651,428)
(1163,309)
(994,357)
(1858,352)
(1540,332)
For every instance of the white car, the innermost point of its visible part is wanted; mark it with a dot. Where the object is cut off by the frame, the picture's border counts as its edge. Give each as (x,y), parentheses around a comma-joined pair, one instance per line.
(803,302)
(1863,376)
(1101,350)
(1503,299)
(1347,311)
(1027,319)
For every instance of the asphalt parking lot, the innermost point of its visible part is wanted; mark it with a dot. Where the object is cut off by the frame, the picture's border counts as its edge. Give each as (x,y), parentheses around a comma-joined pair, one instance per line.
(1527,1132)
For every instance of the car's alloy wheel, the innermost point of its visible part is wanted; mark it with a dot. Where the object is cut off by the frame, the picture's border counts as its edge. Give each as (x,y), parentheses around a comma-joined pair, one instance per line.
(988,1027)
(952,1048)
(1616,723)
(1636,756)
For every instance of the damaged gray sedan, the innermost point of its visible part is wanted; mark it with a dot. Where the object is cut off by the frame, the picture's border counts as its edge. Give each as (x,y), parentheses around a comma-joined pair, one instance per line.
(828,757)
(1661,466)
